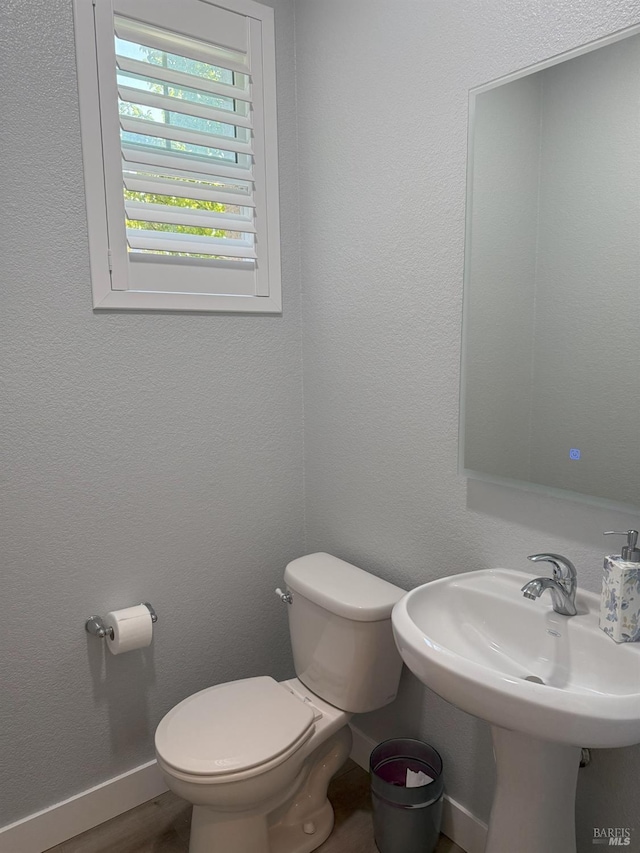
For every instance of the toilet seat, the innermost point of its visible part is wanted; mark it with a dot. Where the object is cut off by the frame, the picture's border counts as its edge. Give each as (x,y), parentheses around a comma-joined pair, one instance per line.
(224,731)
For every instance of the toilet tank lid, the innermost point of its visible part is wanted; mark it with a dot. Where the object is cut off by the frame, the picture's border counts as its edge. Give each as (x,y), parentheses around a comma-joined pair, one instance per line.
(342,588)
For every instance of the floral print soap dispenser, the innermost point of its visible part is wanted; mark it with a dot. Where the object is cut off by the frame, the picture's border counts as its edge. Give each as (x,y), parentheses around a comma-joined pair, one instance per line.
(620,605)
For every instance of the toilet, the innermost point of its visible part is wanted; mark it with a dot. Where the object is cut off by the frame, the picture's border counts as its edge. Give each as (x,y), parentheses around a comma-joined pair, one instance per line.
(255,756)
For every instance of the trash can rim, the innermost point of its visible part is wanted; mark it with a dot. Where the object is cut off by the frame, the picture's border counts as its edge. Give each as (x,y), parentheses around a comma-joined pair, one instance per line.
(404,740)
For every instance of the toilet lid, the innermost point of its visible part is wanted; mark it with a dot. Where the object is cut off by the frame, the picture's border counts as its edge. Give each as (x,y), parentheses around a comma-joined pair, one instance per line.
(232,727)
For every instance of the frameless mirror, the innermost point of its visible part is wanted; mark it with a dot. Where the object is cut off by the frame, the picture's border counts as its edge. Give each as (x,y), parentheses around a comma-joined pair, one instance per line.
(551,344)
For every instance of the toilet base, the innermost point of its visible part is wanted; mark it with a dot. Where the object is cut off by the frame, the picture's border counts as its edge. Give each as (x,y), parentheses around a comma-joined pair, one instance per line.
(298,826)
(253,834)
(210,834)
(294,838)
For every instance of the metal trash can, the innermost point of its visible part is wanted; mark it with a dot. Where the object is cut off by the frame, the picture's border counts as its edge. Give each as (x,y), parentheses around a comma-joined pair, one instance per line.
(406,819)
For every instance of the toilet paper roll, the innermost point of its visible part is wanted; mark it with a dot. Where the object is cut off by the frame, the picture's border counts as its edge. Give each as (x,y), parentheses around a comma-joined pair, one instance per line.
(132,629)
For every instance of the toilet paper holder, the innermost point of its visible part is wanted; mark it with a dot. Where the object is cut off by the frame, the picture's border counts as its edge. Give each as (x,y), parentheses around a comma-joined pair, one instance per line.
(96,627)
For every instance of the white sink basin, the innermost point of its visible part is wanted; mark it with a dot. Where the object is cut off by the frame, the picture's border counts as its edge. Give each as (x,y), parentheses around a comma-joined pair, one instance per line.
(475,640)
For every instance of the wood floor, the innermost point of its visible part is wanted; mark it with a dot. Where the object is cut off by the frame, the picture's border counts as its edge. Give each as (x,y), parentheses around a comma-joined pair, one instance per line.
(162,825)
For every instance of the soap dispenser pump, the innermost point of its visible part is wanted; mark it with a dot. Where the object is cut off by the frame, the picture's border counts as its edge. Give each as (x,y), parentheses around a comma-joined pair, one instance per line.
(620,604)
(630,552)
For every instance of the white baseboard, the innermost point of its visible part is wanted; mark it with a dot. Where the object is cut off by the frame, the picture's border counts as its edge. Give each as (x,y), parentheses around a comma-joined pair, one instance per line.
(45,829)
(458,824)
(462,827)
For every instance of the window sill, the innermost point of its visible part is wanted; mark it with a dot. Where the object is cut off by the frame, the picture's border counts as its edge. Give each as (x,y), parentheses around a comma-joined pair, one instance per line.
(145,300)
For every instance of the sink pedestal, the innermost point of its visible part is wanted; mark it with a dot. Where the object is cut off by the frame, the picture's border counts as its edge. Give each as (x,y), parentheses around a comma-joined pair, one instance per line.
(534,806)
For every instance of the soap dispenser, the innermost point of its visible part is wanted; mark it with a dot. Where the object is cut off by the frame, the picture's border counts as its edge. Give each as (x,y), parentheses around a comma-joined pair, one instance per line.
(620,604)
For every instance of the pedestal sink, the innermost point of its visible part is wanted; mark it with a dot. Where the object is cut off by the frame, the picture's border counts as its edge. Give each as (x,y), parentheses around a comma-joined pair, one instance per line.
(547,684)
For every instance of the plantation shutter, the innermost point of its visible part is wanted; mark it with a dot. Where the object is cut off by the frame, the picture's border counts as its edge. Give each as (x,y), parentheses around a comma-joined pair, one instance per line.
(184,138)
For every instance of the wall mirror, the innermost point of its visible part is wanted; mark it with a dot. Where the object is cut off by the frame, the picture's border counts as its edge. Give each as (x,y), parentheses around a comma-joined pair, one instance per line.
(551,338)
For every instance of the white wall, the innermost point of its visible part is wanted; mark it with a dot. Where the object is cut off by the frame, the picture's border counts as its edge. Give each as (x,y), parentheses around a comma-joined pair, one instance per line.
(382,99)
(144,456)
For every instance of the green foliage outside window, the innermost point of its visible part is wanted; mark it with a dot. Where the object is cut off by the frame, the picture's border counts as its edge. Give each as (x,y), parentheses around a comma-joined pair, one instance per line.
(156,57)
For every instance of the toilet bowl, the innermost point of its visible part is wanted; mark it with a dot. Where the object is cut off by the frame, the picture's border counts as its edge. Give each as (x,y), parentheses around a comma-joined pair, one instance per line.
(277,804)
(255,756)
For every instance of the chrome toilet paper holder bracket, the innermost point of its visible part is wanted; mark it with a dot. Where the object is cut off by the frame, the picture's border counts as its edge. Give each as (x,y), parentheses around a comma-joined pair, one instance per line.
(96,627)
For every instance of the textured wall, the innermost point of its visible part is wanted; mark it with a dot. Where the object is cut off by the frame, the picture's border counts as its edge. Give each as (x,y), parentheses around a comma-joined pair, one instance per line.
(382,95)
(144,456)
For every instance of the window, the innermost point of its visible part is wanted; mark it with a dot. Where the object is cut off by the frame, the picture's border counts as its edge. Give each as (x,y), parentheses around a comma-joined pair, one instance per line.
(178,118)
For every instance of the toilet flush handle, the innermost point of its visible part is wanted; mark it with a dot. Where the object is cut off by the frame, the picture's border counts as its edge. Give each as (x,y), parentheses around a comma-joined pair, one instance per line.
(284,596)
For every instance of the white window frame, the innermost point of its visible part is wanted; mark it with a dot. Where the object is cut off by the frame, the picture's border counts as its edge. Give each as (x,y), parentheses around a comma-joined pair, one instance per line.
(95,58)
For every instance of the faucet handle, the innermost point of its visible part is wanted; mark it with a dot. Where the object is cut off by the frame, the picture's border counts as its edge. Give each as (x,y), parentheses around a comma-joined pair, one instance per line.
(630,553)
(563,569)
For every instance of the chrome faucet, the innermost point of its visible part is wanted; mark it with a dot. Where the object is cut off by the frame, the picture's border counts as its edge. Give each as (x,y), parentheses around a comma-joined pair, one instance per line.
(562,586)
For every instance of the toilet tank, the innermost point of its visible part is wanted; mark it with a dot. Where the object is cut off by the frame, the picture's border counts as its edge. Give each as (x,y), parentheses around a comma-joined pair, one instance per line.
(340,625)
